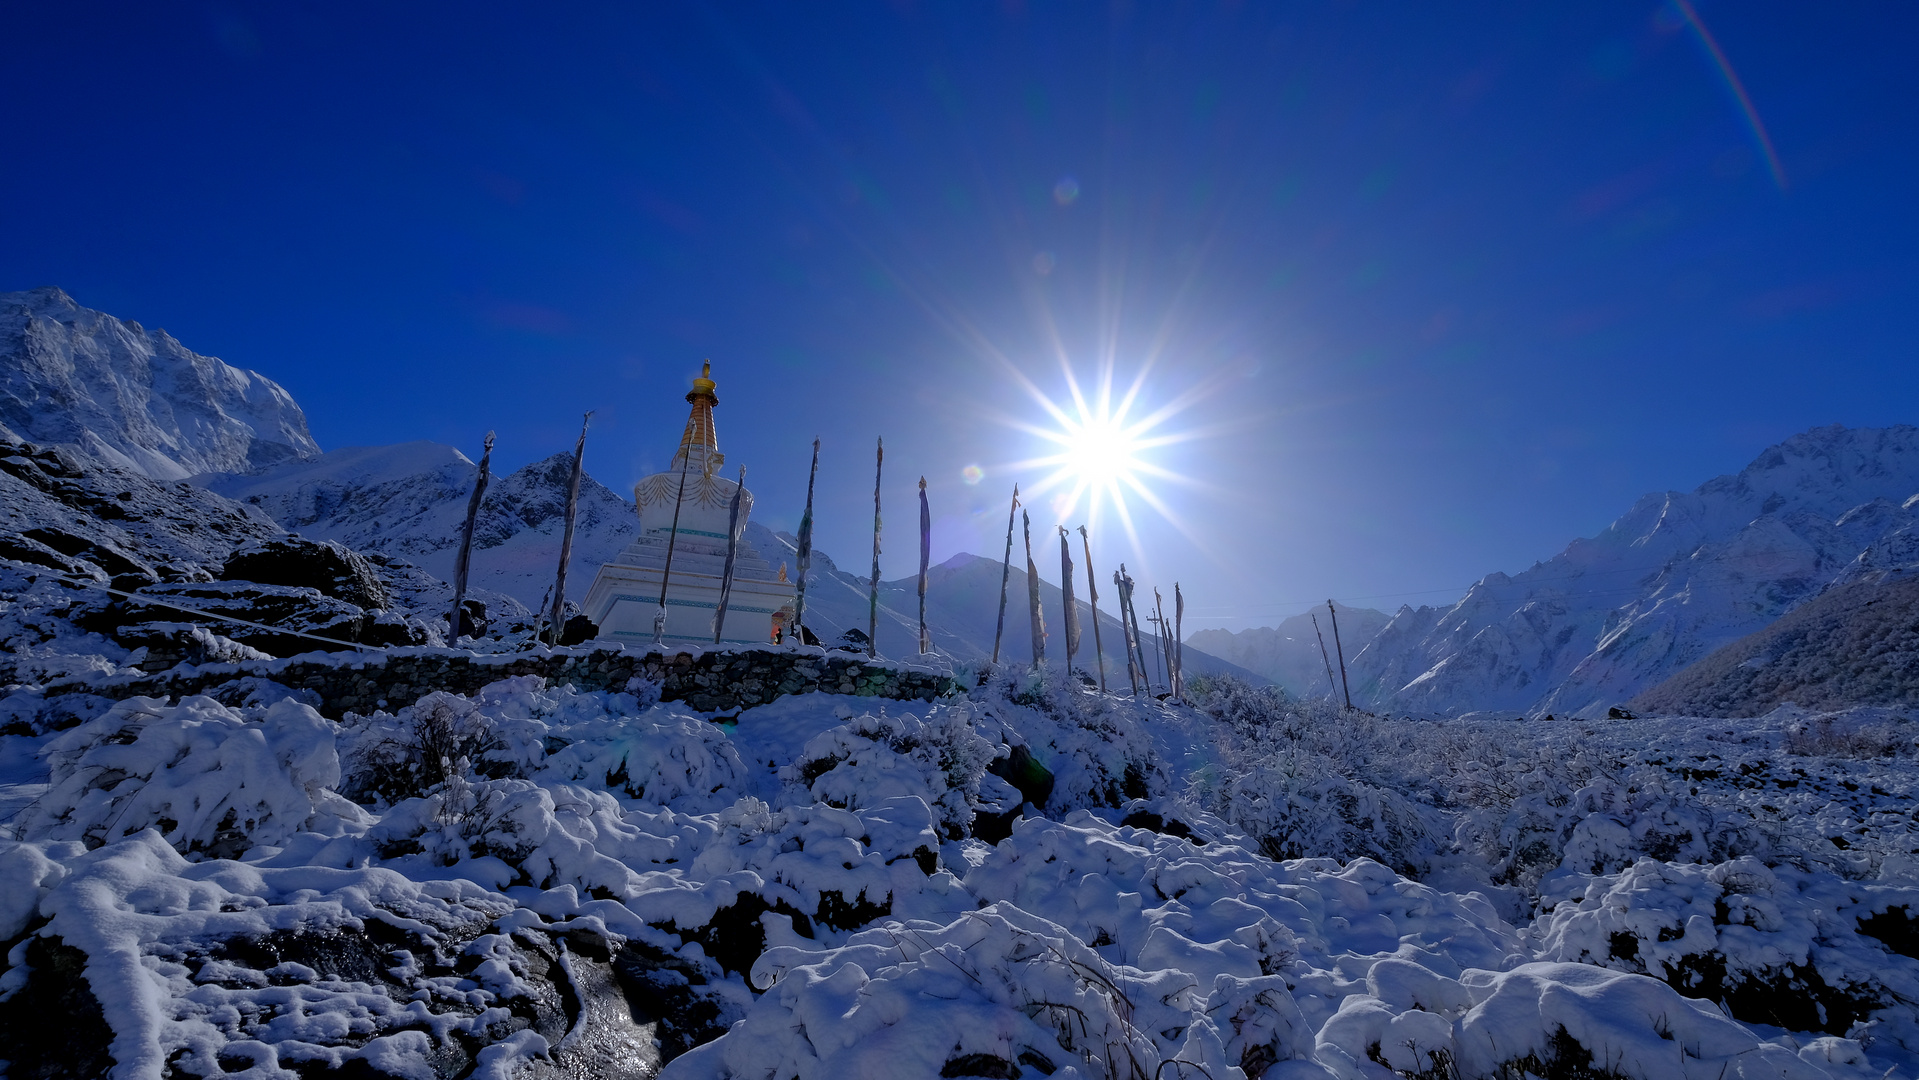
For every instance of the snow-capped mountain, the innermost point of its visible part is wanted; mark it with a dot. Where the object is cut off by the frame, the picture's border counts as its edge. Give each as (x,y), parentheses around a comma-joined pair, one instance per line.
(71,375)
(1289,654)
(1679,575)
(408,501)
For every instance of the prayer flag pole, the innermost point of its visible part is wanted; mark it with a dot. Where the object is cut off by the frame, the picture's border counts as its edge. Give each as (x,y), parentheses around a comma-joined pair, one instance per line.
(926,553)
(673,535)
(1032,594)
(1070,628)
(566,539)
(1179,644)
(805,554)
(1092,601)
(463,560)
(732,552)
(873,600)
(1005,574)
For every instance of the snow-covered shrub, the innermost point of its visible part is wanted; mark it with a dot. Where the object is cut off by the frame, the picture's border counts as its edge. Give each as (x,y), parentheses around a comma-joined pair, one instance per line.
(404,755)
(1878,734)
(876,757)
(547,835)
(665,755)
(1309,781)
(1096,747)
(1016,995)
(1780,946)
(211,779)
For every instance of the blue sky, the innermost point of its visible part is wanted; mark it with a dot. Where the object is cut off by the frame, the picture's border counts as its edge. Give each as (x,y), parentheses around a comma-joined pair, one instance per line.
(1442,288)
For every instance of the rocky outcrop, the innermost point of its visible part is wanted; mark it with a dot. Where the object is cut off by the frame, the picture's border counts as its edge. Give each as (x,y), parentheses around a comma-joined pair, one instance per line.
(292,561)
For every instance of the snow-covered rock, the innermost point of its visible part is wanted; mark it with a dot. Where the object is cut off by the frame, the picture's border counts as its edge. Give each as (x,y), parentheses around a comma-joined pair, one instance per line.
(71,375)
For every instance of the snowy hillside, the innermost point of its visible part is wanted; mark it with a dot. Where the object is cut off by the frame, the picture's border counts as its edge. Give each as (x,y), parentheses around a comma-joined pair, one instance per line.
(1856,644)
(1289,654)
(409,501)
(1679,575)
(70,375)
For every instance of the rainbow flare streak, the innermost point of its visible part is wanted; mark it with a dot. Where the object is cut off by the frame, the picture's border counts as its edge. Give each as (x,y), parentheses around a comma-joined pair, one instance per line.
(1738,91)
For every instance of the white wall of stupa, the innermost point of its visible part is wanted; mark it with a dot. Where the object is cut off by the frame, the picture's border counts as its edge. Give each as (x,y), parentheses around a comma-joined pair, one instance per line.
(625,596)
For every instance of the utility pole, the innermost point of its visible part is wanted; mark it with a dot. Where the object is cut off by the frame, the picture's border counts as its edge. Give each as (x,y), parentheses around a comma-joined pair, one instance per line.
(1324,656)
(1341,649)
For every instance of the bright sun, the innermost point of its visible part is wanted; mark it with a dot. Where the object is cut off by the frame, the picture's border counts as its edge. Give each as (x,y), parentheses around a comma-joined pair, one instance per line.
(1101,453)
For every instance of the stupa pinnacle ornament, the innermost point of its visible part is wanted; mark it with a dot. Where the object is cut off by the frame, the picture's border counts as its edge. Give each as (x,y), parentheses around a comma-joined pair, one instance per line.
(687,513)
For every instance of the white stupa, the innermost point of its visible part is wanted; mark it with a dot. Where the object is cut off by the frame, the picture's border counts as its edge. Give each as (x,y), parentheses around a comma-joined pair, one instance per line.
(625,597)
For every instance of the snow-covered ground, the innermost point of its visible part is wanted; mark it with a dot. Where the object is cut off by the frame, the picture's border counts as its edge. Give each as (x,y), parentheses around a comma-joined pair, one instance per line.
(1032,879)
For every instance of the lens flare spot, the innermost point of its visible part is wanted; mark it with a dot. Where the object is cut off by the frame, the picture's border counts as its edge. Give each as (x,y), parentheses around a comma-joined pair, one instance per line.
(972,474)
(1066,191)
(1043,263)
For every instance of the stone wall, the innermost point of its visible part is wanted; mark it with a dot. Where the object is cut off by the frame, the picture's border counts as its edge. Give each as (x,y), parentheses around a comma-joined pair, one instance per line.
(708,680)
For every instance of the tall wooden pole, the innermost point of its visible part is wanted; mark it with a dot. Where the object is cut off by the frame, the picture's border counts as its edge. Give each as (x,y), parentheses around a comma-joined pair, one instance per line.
(1005,574)
(1165,651)
(672,537)
(873,599)
(464,559)
(1179,644)
(1341,650)
(926,554)
(804,556)
(1032,594)
(1092,601)
(1324,655)
(566,538)
(1070,626)
(732,552)
(1130,594)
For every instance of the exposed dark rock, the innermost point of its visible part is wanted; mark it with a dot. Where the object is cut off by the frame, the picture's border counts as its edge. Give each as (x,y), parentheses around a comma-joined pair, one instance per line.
(54,1028)
(578,630)
(313,564)
(1020,769)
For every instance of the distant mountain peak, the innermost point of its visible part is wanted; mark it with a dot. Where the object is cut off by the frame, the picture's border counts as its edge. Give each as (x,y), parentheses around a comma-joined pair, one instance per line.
(73,376)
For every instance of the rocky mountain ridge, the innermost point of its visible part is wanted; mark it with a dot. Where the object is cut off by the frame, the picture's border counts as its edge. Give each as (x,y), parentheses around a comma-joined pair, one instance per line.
(1676,577)
(76,377)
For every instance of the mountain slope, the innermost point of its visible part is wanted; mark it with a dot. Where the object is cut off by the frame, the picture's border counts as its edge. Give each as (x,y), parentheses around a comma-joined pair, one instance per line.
(1289,654)
(1857,644)
(962,614)
(1679,575)
(409,501)
(143,401)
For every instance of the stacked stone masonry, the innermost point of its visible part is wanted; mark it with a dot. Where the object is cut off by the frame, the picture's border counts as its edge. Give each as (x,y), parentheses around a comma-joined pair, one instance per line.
(717,680)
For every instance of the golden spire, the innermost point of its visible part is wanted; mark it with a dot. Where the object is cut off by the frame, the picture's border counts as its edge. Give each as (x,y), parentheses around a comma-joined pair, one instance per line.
(701,437)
